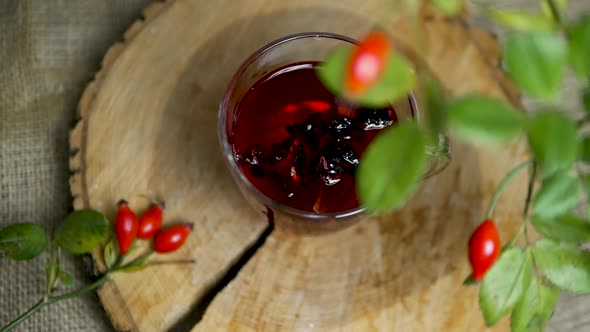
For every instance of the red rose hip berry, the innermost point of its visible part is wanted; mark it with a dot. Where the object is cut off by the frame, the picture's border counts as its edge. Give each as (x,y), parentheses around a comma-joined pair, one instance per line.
(150,221)
(126,226)
(170,239)
(367,62)
(484,248)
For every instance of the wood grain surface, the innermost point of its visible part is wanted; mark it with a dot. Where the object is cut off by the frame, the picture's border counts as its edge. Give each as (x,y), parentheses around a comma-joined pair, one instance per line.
(148,128)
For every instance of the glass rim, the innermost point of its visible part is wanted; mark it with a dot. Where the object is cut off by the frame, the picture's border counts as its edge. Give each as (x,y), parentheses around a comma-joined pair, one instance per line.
(227,149)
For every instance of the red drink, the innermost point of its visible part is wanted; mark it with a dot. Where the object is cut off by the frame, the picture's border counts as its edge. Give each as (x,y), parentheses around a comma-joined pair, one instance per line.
(298,144)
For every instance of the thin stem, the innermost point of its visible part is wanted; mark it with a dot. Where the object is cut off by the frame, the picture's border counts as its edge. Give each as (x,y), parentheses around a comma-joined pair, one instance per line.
(135,262)
(529,193)
(52,299)
(53,270)
(527,202)
(523,228)
(555,11)
(24,316)
(514,238)
(503,184)
(80,291)
(118,262)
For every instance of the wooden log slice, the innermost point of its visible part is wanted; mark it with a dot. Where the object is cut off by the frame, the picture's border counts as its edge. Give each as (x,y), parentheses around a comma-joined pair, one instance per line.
(148,128)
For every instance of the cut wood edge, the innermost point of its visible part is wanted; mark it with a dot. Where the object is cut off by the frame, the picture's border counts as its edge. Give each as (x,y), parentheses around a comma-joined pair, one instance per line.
(488,50)
(77,133)
(116,310)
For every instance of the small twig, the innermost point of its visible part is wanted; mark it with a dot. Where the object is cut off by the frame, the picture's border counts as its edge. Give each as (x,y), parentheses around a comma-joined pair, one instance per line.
(515,238)
(24,316)
(133,263)
(527,203)
(52,299)
(530,188)
(555,11)
(118,261)
(80,291)
(178,261)
(503,184)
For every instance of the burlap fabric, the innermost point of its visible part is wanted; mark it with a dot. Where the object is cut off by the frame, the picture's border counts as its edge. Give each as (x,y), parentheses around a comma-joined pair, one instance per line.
(49,50)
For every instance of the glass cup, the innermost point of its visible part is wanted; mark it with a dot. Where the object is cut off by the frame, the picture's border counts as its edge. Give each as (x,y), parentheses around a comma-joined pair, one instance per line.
(303,47)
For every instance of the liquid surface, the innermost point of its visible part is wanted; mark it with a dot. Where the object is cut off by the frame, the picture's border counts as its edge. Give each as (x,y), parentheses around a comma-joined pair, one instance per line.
(298,144)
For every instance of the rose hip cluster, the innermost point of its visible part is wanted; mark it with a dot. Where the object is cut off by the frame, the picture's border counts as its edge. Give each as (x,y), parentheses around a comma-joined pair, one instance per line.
(128,227)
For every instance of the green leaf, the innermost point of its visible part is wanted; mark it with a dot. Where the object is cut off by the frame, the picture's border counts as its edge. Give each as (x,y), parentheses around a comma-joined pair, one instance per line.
(111,253)
(449,7)
(331,70)
(546,10)
(396,81)
(66,278)
(579,47)
(566,266)
(552,136)
(567,228)
(484,120)
(82,231)
(558,194)
(535,62)
(521,21)
(533,311)
(23,241)
(391,167)
(504,284)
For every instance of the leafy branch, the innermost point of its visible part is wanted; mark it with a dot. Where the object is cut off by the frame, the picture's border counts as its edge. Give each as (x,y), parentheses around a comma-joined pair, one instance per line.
(80,233)
(524,280)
